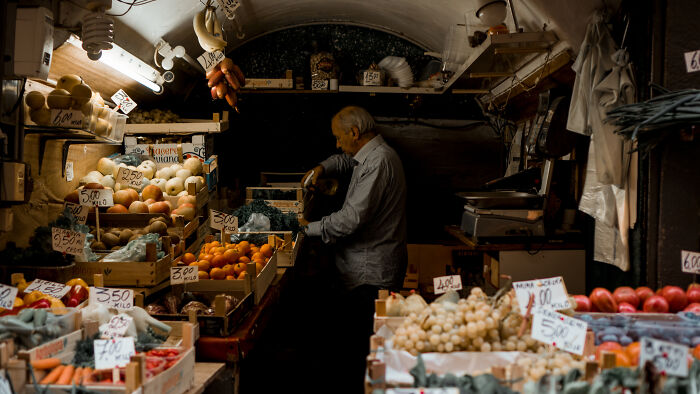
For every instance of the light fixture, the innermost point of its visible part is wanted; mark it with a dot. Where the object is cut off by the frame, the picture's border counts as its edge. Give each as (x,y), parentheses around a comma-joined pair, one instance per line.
(126,63)
(98,29)
(491,12)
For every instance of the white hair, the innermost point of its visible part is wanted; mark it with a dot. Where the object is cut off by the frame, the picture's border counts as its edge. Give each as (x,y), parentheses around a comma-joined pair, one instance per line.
(355,116)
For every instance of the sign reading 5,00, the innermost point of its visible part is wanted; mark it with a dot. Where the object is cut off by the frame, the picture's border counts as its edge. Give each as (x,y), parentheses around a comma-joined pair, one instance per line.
(112,298)
(96,197)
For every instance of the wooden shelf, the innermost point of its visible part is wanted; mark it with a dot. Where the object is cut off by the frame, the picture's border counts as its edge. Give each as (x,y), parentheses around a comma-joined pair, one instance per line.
(387,89)
(287,91)
(186,126)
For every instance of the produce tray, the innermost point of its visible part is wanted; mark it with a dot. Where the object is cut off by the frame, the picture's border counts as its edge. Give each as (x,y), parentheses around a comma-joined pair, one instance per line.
(140,220)
(194,241)
(288,251)
(669,317)
(138,273)
(286,199)
(56,347)
(217,124)
(60,274)
(202,198)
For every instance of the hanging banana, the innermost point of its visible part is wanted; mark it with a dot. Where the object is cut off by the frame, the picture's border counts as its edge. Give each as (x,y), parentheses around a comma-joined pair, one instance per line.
(205,27)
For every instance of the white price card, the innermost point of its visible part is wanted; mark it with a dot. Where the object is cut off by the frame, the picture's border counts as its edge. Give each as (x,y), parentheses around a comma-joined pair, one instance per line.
(53,289)
(123,101)
(130,178)
(112,353)
(80,212)
(96,197)
(219,220)
(371,78)
(117,326)
(209,60)
(112,298)
(187,274)
(68,241)
(229,7)
(549,293)
(692,61)
(690,261)
(443,283)
(433,390)
(561,331)
(68,118)
(7,296)
(670,358)
(319,84)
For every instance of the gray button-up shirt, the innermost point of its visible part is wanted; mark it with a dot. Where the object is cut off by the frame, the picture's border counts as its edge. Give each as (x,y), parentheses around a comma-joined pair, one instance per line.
(370,229)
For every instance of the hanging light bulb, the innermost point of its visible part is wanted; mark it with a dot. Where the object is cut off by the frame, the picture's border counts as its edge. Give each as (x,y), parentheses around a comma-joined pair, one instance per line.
(491,12)
(98,29)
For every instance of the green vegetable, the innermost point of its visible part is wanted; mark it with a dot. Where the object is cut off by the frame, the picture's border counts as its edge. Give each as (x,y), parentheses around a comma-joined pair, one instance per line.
(279,221)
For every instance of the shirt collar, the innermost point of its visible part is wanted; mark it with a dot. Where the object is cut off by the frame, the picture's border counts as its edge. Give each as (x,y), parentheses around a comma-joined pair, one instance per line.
(362,154)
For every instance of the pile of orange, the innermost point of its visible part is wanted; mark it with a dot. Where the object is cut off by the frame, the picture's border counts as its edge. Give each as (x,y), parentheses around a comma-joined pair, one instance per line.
(216,261)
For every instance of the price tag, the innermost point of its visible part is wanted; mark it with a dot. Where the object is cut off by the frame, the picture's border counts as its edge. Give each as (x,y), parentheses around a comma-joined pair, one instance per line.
(560,331)
(443,283)
(117,326)
(80,212)
(219,220)
(229,7)
(53,289)
(96,197)
(549,293)
(112,298)
(319,84)
(68,118)
(69,171)
(371,78)
(668,357)
(112,353)
(67,241)
(186,274)
(690,262)
(7,296)
(123,101)
(209,60)
(692,61)
(130,178)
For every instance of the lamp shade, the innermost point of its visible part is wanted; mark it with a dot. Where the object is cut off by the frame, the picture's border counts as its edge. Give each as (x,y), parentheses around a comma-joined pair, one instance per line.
(491,12)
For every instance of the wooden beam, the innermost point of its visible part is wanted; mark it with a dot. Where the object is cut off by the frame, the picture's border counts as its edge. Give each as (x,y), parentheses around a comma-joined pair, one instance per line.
(521,50)
(492,74)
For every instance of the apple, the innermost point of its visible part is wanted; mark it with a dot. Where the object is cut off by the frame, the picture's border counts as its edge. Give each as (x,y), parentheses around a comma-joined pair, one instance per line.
(187,199)
(93,185)
(583,304)
(149,163)
(643,293)
(626,307)
(115,171)
(165,173)
(194,165)
(152,192)
(149,201)
(117,208)
(159,207)
(160,182)
(123,197)
(174,186)
(134,194)
(176,167)
(676,297)
(656,304)
(138,207)
(183,173)
(182,193)
(626,294)
(89,179)
(146,170)
(68,81)
(197,182)
(105,166)
(73,197)
(187,212)
(693,295)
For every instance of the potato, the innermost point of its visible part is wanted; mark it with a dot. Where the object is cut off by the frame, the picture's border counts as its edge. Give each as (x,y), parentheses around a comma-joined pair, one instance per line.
(158,219)
(125,235)
(135,236)
(174,238)
(159,227)
(116,247)
(98,246)
(110,240)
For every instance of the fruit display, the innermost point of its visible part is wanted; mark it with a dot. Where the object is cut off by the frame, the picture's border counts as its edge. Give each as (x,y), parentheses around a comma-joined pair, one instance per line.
(35,299)
(114,238)
(642,299)
(32,326)
(153,116)
(184,303)
(216,261)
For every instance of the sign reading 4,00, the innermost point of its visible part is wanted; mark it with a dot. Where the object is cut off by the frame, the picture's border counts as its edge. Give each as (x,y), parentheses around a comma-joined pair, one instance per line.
(112,298)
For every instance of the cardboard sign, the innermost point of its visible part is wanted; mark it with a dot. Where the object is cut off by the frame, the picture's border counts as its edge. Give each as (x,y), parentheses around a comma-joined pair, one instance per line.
(53,289)
(186,274)
(319,84)
(112,353)
(123,101)
(549,293)
(96,197)
(7,296)
(166,154)
(692,61)
(80,212)
(443,283)
(561,331)
(219,220)
(112,298)
(229,7)
(69,118)
(670,358)
(690,262)
(209,60)
(371,78)
(130,178)
(117,326)
(67,241)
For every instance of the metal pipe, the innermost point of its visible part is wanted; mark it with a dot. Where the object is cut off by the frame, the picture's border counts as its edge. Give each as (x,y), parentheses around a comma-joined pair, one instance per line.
(515,18)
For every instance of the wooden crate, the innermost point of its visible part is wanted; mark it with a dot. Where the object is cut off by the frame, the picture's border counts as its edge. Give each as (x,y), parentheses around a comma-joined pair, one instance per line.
(57,347)
(281,179)
(147,273)
(60,274)
(285,249)
(295,204)
(217,124)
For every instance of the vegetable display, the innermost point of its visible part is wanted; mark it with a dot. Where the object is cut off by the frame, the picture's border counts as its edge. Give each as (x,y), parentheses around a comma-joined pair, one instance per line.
(228,262)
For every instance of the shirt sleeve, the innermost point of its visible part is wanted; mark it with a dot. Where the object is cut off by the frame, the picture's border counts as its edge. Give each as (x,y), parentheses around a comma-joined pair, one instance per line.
(337,164)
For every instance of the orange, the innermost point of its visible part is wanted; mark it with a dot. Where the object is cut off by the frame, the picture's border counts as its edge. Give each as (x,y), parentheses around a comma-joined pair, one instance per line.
(260,261)
(217,273)
(203,275)
(231,255)
(242,275)
(254,249)
(632,350)
(243,259)
(188,258)
(253,245)
(606,347)
(229,269)
(238,268)
(207,257)
(258,256)
(230,277)
(244,247)
(218,261)
(258,268)
(266,250)
(622,359)
(193,263)
(214,243)
(219,249)
(203,265)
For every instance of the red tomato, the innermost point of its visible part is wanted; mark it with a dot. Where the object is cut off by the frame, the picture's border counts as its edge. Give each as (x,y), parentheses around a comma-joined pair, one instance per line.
(626,294)
(625,307)
(656,304)
(643,293)
(603,300)
(676,297)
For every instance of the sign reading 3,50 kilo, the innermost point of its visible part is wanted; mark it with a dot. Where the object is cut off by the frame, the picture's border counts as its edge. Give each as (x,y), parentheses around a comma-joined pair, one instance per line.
(112,298)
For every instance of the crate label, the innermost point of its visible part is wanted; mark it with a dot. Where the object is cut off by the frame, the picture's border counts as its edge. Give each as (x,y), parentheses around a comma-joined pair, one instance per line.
(7,296)
(112,298)
(443,283)
(209,60)
(96,197)
(67,241)
(129,178)
(112,353)
(138,149)
(219,220)
(690,261)
(80,212)
(229,7)
(186,274)
(371,78)
(68,118)
(561,331)
(319,84)
(166,154)
(549,293)
(670,358)
(692,61)
(117,326)
(69,171)
(53,289)
(123,101)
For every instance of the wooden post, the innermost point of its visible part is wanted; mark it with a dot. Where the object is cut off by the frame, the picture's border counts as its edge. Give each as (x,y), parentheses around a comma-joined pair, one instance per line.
(589,345)
(383,294)
(187,335)
(609,360)
(591,370)
(97,223)
(192,316)
(192,189)
(139,299)
(517,375)
(151,254)
(135,373)
(220,305)
(98,280)
(224,236)
(287,241)
(380,307)
(16,278)
(167,246)
(91,327)
(250,275)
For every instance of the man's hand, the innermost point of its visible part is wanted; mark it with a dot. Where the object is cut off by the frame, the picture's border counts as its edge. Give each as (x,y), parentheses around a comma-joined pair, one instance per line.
(303,222)
(307,183)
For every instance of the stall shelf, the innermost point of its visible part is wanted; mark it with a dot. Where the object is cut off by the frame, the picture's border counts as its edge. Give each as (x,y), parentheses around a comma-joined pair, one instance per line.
(218,124)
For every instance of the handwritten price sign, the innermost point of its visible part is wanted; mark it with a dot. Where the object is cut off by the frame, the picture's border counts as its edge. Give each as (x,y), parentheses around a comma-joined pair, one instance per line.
(560,331)
(443,283)
(117,326)
(372,78)
(549,293)
(96,197)
(690,262)
(67,241)
(229,7)
(219,220)
(692,61)
(123,101)
(130,178)
(53,289)
(319,84)
(66,118)
(187,274)
(112,298)
(433,390)
(209,60)
(112,353)
(668,357)
(80,212)
(7,296)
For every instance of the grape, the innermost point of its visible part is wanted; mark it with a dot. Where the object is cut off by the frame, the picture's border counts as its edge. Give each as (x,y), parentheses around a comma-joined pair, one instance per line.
(521,346)
(509,346)
(444,337)
(485,347)
(456,339)
(496,346)
(420,346)
(449,347)
(471,330)
(436,329)
(447,326)
(493,334)
(408,345)
(414,337)
(481,326)
(434,339)
(441,348)
(478,342)
(422,335)
(462,330)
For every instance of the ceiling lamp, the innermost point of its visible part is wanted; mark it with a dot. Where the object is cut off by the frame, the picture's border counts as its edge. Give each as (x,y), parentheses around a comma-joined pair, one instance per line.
(491,12)
(98,29)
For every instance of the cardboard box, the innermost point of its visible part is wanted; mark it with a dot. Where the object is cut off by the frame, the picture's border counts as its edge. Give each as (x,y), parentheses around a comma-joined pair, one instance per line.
(200,146)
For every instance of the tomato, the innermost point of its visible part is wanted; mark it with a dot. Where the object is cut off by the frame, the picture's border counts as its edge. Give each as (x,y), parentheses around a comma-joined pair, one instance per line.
(603,300)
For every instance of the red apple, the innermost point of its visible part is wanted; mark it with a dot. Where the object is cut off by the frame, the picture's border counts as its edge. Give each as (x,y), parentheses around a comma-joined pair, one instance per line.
(625,307)
(656,304)
(603,300)
(643,293)
(693,295)
(117,208)
(583,304)
(159,207)
(677,300)
(626,294)
(693,286)
(694,307)
(138,207)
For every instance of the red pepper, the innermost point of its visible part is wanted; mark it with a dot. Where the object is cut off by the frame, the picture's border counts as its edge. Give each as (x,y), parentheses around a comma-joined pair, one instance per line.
(42,303)
(79,292)
(73,302)
(13,311)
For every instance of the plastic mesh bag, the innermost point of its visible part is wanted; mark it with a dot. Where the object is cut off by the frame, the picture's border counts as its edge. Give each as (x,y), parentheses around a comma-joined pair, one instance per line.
(136,250)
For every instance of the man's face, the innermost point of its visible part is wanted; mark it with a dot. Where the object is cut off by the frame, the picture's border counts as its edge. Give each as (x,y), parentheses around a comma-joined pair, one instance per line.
(346,141)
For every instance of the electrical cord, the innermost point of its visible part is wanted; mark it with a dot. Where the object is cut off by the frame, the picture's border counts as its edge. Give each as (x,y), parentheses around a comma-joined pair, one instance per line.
(134,3)
(19,98)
